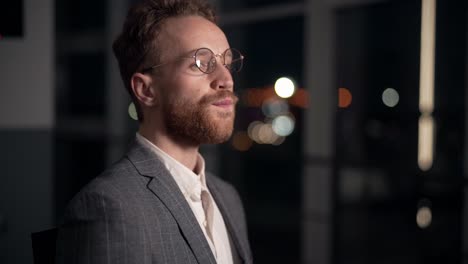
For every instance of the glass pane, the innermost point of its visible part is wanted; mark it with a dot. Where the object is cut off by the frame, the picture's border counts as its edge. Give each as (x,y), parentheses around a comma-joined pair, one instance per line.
(388,209)
(267,175)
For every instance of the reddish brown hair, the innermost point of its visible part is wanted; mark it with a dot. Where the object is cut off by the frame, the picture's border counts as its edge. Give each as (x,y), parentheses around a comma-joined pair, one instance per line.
(137,46)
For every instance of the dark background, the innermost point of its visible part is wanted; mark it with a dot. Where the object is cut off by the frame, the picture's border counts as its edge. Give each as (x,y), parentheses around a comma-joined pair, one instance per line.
(354,201)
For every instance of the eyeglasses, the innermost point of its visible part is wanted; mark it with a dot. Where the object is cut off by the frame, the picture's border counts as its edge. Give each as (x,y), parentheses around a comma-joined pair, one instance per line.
(205,60)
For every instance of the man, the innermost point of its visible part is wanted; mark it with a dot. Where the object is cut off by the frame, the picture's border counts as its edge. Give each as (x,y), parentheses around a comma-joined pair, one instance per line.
(157,204)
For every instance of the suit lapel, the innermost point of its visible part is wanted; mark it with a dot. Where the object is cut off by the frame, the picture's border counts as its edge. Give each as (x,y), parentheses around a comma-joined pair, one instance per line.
(228,220)
(163,185)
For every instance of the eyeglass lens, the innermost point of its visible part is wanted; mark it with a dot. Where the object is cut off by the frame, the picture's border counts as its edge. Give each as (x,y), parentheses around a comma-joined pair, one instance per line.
(205,60)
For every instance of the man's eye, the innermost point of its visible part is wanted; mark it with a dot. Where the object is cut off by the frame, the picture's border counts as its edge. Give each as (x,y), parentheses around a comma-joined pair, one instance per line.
(194,67)
(201,64)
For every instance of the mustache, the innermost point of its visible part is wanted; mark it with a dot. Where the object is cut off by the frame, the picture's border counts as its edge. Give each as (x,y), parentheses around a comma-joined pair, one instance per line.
(209,99)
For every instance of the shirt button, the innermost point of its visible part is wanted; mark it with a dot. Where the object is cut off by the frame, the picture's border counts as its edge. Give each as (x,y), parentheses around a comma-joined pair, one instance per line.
(195,198)
(205,223)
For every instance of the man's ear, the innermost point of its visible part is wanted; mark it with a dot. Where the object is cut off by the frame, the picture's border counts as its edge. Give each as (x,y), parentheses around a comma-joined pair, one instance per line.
(144,89)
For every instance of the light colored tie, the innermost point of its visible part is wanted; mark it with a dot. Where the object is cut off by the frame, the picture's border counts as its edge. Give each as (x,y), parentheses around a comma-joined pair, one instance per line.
(200,194)
(207,204)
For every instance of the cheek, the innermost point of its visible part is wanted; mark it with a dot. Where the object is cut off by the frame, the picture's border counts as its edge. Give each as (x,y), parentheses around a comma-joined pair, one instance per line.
(192,91)
(187,88)
(182,98)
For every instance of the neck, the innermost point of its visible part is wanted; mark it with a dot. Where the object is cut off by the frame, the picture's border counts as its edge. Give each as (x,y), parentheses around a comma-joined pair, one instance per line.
(184,152)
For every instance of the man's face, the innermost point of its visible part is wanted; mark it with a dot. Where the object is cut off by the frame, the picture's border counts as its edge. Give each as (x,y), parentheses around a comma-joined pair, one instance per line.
(194,106)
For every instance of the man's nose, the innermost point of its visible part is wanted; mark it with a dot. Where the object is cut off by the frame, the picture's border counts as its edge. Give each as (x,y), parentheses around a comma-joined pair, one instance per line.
(222,78)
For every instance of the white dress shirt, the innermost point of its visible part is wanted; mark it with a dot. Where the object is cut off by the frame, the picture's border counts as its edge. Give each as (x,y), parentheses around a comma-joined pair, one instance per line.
(194,188)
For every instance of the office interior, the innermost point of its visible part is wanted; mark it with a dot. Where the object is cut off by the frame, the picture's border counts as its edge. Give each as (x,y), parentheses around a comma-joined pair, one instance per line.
(349,144)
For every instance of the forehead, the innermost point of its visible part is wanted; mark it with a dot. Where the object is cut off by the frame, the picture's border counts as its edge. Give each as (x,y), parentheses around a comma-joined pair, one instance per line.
(184,34)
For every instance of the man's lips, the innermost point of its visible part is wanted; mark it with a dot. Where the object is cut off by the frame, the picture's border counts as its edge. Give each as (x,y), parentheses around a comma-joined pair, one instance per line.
(227,102)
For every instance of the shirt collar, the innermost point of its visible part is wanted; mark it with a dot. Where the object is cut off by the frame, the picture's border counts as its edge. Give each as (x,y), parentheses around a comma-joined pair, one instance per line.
(190,183)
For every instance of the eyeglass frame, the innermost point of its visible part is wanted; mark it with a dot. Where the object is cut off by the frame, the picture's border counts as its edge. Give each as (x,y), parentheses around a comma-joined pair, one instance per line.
(194,56)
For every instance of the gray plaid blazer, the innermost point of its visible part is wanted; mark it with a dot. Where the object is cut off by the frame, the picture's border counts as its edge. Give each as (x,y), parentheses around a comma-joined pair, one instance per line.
(134,212)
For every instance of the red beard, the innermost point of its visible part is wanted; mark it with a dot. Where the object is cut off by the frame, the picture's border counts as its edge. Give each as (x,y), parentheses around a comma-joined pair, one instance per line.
(197,123)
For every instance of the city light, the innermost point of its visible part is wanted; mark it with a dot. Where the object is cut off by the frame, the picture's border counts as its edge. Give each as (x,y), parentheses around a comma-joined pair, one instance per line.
(344,98)
(390,97)
(241,141)
(284,87)
(424,217)
(279,141)
(426,142)
(274,107)
(426,139)
(266,135)
(283,125)
(132,111)
(427,56)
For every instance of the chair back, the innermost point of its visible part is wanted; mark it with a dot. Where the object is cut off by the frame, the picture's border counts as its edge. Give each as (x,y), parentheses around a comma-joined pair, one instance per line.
(43,244)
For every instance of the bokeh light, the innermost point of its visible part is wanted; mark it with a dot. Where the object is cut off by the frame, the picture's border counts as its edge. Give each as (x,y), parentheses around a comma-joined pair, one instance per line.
(284,87)
(252,130)
(266,135)
(263,133)
(424,217)
(241,141)
(344,98)
(132,111)
(283,125)
(390,97)
(426,142)
(273,107)
(278,141)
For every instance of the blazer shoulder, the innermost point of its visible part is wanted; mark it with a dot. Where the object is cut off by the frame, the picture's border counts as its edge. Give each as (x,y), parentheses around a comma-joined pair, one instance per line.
(117,183)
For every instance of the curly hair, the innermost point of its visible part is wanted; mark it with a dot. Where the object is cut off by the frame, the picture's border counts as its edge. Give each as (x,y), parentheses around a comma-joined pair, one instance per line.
(138,40)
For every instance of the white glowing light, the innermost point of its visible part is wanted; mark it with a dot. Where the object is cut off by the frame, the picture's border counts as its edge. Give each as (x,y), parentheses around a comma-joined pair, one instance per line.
(132,111)
(283,125)
(390,97)
(284,87)
(424,217)
(427,56)
(426,142)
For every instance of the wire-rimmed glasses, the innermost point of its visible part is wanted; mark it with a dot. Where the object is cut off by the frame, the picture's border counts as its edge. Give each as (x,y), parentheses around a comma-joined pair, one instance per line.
(205,60)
